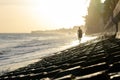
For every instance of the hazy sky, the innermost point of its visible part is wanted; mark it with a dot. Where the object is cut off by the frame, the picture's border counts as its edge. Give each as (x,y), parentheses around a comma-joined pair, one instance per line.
(27,15)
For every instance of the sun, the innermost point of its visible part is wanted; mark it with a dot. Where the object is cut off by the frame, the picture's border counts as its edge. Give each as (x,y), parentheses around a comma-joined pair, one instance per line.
(53,14)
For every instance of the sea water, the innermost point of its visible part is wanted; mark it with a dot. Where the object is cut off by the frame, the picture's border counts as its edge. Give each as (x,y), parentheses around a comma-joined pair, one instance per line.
(20,50)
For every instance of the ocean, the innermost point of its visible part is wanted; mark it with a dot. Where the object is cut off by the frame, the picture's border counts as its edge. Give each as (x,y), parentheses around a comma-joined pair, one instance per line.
(19,50)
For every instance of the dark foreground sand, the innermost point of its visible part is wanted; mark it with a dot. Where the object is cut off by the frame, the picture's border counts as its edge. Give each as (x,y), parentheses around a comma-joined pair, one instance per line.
(98,59)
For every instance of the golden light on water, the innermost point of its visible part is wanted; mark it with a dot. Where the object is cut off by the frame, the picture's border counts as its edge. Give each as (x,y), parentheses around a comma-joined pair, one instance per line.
(83,40)
(87,38)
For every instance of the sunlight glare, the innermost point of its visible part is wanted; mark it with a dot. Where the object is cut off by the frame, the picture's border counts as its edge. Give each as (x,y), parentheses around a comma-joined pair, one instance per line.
(102,1)
(87,38)
(59,13)
(83,40)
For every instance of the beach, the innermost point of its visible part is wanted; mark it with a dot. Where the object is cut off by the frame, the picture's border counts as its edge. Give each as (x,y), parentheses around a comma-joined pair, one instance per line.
(20,50)
(98,59)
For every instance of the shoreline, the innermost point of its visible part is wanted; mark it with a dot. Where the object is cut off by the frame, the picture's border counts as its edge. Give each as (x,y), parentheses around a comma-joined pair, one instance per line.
(16,65)
(86,61)
(54,54)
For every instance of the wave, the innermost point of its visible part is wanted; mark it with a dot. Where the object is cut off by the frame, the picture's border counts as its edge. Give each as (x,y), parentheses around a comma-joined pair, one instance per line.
(29,47)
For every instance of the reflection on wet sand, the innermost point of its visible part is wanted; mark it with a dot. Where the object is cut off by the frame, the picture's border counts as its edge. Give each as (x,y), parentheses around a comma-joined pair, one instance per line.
(83,40)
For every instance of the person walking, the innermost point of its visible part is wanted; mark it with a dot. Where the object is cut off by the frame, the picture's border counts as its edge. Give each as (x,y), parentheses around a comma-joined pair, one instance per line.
(79,32)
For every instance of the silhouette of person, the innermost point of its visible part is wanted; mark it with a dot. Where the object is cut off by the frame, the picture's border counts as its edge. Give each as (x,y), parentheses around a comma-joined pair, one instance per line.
(79,32)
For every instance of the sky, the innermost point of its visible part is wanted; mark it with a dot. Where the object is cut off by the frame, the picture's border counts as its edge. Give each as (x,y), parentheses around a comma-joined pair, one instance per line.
(17,16)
